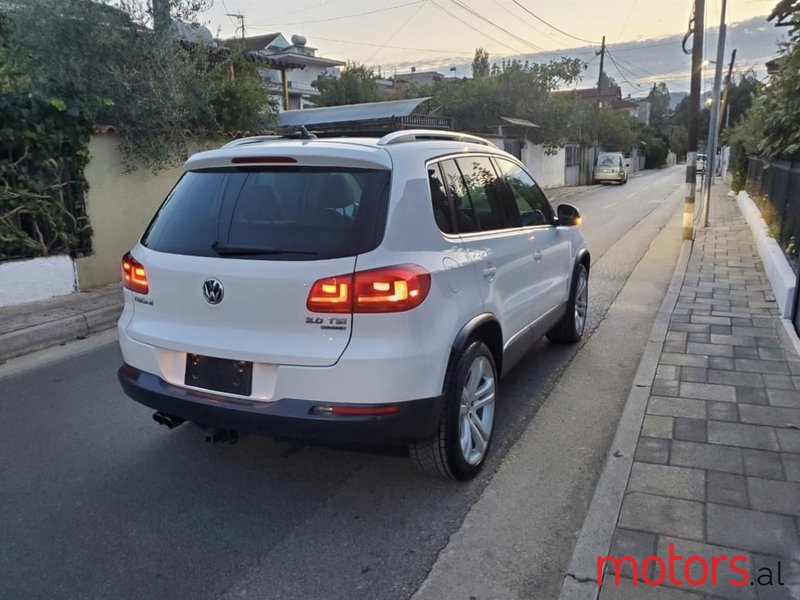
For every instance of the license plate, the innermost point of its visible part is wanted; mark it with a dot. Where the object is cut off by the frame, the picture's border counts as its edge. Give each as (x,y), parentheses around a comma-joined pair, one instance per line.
(219,374)
(608,171)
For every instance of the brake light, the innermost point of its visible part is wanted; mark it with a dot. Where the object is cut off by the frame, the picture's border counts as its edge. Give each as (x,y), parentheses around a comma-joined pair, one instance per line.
(134,277)
(263,160)
(387,289)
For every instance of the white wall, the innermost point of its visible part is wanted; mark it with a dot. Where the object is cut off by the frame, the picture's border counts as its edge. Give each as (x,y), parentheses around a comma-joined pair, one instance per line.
(36,279)
(547,169)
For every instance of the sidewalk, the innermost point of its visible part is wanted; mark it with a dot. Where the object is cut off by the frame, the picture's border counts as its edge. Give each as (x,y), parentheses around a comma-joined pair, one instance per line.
(28,327)
(716,469)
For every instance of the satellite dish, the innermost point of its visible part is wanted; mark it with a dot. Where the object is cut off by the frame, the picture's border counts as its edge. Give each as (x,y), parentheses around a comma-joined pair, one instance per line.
(191,32)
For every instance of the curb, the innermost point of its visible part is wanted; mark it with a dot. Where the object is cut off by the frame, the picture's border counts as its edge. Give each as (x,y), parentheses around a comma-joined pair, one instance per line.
(76,326)
(571,192)
(594,539)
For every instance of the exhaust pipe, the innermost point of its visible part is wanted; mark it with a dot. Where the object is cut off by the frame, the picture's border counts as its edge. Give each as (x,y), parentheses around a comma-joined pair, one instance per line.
(167,420)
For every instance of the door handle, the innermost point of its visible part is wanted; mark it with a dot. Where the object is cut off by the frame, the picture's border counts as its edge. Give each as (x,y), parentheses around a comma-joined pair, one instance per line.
(489,273)
(537,256)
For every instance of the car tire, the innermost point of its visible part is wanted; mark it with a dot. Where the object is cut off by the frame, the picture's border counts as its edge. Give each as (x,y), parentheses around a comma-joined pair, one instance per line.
(459,447)
(570,328)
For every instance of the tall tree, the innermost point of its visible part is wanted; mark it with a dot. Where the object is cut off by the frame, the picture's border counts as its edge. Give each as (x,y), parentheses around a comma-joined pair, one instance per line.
(480,64)
(659,105)
(355,85)
(740,96)
(514,89)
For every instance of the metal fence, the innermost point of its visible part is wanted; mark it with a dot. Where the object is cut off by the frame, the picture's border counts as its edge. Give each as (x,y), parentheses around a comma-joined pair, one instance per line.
(779,184)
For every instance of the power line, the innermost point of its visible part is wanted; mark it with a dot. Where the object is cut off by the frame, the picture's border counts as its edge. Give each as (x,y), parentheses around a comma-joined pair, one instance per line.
(640,46)
(636,76)
(361,14)
(225,6)
(619,71)
(509,11)
(351,42)
(457,18)
(625,23)
(561,31)
(396,31)
(503,29)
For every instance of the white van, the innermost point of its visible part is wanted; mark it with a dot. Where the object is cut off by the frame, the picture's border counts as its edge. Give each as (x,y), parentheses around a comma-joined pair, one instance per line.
(610,166)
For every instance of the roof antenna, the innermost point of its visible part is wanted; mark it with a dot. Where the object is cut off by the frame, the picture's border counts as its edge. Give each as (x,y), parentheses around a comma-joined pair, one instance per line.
(305,134)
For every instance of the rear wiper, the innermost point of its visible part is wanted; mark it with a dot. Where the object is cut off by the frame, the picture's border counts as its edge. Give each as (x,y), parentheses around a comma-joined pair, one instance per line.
(253,251)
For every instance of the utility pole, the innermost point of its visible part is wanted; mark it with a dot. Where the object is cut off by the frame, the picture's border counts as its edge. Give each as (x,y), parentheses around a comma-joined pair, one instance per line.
(724,104)
(713,126)
(602,54)
(696,30)
(161,16)
(240,17)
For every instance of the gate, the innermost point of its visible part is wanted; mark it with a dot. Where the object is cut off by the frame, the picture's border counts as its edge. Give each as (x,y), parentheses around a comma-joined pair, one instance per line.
(572,164)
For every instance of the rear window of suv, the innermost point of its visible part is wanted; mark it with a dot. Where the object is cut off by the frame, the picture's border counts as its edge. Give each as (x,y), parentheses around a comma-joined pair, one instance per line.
(284,213)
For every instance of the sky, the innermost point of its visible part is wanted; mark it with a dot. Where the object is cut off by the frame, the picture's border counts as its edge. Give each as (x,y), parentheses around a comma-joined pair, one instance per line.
(393,35)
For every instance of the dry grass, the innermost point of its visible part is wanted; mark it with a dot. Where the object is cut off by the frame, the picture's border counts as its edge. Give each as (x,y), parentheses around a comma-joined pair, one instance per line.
(768,212)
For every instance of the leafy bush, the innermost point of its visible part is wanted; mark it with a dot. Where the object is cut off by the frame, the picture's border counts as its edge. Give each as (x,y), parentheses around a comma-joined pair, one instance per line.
(67,65)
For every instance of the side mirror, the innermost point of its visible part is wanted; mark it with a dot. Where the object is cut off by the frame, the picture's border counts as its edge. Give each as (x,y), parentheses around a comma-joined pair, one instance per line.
(568,215)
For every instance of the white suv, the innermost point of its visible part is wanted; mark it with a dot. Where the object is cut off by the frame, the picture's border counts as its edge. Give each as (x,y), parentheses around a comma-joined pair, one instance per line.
(349,289)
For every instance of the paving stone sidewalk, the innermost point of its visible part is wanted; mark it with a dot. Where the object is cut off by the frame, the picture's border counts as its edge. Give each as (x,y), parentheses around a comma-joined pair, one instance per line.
(717,465)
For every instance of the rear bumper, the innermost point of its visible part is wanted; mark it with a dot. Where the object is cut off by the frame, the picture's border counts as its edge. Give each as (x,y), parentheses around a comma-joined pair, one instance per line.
(609,176)
(414,420)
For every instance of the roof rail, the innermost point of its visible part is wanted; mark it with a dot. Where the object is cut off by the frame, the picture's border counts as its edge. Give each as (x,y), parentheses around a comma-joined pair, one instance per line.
(415,135)
(251,140)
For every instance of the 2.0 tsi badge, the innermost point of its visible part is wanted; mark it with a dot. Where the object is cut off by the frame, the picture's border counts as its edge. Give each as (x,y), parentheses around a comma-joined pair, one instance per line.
(213,291)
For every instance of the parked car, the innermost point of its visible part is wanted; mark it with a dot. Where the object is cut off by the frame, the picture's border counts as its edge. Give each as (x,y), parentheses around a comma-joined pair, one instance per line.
(611,166)
(349,289)
(702,161)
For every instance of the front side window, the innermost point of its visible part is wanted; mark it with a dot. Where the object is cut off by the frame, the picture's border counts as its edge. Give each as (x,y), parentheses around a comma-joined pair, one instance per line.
(533,206)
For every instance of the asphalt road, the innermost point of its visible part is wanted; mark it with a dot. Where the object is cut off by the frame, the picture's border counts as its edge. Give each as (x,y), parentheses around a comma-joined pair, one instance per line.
(97,501)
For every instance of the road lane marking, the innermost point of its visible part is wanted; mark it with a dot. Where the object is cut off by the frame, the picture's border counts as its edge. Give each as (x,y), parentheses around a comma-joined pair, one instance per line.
(656,201)
(631,195)
(610,205)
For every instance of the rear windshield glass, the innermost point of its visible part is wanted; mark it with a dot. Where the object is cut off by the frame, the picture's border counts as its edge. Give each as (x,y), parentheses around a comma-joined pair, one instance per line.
(609,160)
(286,213)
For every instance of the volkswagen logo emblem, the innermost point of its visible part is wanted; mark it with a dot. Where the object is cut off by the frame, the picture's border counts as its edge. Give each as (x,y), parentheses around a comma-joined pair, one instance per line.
(213,291)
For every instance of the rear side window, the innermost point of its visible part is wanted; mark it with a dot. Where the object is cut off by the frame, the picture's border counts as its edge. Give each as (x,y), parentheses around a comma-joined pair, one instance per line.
(439,200)
(286,213)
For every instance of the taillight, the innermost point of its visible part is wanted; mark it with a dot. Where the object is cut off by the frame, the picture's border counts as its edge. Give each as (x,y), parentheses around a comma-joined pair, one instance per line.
(134,276)
(388,289)
(331,295)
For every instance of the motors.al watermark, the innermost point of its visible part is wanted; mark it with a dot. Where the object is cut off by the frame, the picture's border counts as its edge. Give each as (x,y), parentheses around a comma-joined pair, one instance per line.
(690,570)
